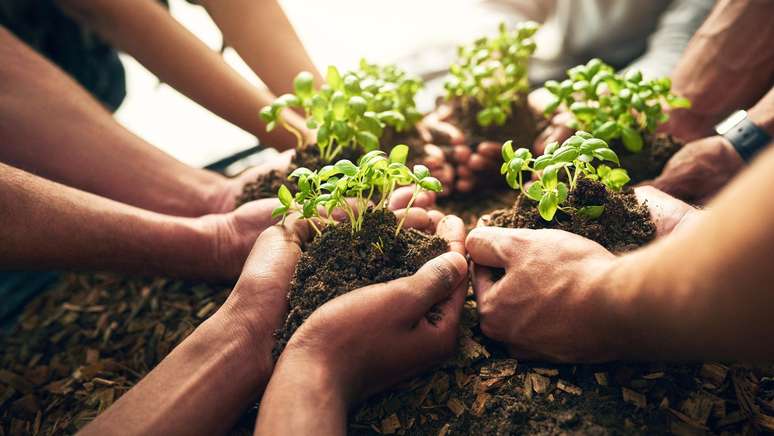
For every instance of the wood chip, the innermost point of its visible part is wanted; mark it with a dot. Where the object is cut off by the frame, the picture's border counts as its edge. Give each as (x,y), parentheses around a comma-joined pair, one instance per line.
(569,388)
(654,375)
(16,381)
(698,408)
(548,372)
(456,406)
(540,383)
(714,373)
(206,310)
(390,424)
(634,397)
(601,378)
(444,430)
(479,405)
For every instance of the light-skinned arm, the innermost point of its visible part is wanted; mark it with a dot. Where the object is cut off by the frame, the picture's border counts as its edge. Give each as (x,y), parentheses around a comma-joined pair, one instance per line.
(52,127)
(701,292)
(145,30)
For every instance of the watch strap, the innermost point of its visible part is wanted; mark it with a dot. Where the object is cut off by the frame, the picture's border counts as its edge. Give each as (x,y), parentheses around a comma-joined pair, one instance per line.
(746,137)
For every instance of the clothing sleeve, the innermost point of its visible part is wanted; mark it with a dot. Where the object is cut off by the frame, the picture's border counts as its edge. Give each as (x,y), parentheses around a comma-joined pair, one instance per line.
(675,28)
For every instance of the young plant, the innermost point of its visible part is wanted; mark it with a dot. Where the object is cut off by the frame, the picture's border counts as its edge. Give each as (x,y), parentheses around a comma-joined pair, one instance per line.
(493,72)
(353,188)
(613,106)
(574,157)
(393,90)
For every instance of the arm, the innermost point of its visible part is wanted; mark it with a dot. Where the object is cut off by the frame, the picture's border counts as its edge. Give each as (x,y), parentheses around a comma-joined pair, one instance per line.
(47,225)
(206,383)
(50,126)
(728,65)
(150,34)
(702,292)
(262,35)
(313,386)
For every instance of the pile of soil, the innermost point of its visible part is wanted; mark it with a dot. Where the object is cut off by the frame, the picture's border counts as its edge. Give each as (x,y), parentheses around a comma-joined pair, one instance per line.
(522,126)
(266,185)
(646,165)
(339,261)
(624,225)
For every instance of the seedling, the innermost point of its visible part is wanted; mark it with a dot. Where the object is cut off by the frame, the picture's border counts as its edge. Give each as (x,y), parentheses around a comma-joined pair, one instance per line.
(353,188)
(349,110)
(575,157)
(613,106)
(493,72)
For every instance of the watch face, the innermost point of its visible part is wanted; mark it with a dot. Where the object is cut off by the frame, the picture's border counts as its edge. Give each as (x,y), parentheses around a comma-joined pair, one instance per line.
(729,123)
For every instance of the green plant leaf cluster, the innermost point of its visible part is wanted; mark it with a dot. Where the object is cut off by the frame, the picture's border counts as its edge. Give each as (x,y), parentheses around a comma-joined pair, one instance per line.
(350,110)
(493,72)
(575,157)
(611,105)
(353,187)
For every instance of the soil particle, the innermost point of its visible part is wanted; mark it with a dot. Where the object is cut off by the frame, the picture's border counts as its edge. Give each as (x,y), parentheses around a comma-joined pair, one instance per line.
(648,163)
(522,126)
(624,225)
(339,261)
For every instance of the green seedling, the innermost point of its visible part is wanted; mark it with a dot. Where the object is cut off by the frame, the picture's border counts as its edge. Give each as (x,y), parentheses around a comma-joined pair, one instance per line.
(353,188)
(575,157)
(349,110)
(493,72)
(613,106)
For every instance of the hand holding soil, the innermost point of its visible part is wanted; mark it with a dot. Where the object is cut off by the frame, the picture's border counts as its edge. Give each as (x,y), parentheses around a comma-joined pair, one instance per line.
(329,364)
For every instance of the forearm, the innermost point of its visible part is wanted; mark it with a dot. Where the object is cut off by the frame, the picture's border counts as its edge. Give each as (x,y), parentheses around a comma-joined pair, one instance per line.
(149,33)
(704,292)
(52,127)
(762,114)
(262,35)
(300,399)
(728,65)
(201,387)
(47,225)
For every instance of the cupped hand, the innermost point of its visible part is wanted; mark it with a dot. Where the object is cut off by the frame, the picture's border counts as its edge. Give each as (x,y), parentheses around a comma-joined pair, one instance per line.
(668,213)
(226,193)
(699,170)
(557,129)
(370,338)
(447,154)
(549,304)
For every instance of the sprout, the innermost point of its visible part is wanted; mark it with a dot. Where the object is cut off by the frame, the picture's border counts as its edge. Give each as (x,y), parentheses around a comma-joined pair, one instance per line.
(375,176)
(613,106)
(576,153)
(493,72)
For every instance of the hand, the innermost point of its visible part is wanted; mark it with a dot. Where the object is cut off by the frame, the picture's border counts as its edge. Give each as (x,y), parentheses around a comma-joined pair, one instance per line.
(448,160)
(668,213)
(226,193)
(700,169)
(548,305)
(557,129)
(359,346)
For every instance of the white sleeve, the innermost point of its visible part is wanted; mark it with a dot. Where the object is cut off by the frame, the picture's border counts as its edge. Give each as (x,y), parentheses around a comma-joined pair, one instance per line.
(675,28)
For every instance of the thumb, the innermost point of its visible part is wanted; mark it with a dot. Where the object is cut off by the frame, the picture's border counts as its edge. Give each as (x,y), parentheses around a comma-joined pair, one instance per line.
(433,283)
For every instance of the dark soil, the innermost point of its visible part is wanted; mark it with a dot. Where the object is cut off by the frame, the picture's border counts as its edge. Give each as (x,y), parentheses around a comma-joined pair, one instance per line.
(411,137)
(522,126)
(266,185)
(624,225)
(338,262)
(648,163)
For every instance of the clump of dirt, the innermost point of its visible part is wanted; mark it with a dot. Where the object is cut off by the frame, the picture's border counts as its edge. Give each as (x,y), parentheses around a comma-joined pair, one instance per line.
(522,126)
(339,261)
(624,225)
(266,185)
(648,163)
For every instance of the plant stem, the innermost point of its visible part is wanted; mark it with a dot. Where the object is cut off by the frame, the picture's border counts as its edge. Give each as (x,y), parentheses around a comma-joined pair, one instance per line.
(408,208)
(294,131)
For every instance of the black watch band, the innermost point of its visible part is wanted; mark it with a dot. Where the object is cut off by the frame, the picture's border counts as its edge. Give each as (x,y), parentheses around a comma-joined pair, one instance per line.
(747,138)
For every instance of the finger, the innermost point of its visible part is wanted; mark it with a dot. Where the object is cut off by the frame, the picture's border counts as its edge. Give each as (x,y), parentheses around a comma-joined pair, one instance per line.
(432,284)
(464,172)
(452,229)
(446,177)
(464,185)
(485,245)
(425,199)
(264,272)
(539,146)
(483,220)
(490,150)
(401,197)
(416,218)
(434,158)
(481,163)
(462,153)
(435,217)
(445,133)
(482,280)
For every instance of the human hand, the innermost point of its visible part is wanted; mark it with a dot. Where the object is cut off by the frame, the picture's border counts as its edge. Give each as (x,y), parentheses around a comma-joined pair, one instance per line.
(557,129)
(699,170)
(448,159)
(668,213)
(370,338)
(549,304)
(225,193)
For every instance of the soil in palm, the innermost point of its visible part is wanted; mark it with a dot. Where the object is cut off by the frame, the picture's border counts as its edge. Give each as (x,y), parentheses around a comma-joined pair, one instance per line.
(340,261)
(648,163)
(522,126)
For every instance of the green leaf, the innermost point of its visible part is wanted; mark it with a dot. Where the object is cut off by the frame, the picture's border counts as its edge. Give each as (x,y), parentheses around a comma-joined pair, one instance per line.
(607,130)
(542,162)
(298,172)
(271,126)
(566,154)
(583,134)
(593,144)
(339,105)
(303,84)
(431,184)
(523,153)
(288,100)
(504,168)
(591,212)
(562,192)
(367,140)
(548,205)
(358,104)
(507,150)
(346,167)
(399,153)
(278,212)
(550,108)
(421,171)
(511,178)
(678,102)
(632,139)
(484,117)
(535,191)
(284,195)
(333,78)
(267,114)
(606,154)
(633,76)
(551,148)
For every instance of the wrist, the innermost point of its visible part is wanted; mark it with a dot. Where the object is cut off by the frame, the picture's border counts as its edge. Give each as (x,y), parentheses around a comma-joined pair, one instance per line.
(763,118)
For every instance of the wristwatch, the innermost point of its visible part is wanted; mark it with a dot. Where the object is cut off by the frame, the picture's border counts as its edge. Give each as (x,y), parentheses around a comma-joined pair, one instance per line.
(747,138)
